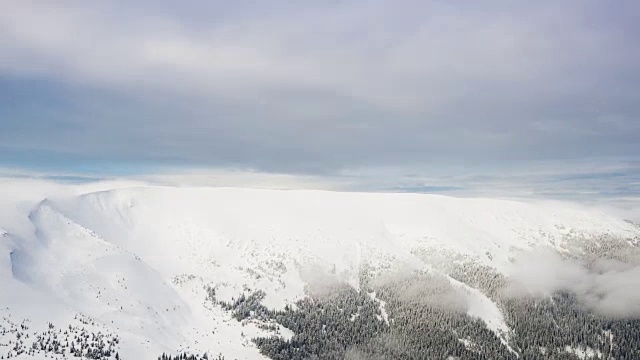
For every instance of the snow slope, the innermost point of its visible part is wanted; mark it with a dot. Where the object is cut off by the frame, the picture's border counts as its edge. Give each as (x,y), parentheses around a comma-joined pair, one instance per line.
(137,259)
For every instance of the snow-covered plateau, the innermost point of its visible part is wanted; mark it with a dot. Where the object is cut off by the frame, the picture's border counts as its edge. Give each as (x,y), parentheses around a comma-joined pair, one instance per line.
(134,263)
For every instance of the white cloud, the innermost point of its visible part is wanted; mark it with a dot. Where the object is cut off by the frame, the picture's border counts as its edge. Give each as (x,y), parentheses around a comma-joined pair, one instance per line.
(319,88)
(609,287)
(429,62)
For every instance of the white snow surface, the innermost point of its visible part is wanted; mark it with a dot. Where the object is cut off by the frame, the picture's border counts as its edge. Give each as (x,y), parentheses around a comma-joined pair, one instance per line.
(136,259)
(584,353)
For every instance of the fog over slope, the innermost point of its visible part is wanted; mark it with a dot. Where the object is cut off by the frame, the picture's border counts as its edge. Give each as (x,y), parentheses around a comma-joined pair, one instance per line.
(168,269)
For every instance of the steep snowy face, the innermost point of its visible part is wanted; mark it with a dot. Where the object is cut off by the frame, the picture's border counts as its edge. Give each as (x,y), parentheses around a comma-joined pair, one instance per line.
(139,259)
(279,241)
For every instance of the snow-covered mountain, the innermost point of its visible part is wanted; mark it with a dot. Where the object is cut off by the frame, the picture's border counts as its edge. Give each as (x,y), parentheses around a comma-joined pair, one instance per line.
(136,262)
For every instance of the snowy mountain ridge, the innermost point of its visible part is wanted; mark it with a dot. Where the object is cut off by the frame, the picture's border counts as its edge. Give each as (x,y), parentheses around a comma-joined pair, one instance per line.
(137,260)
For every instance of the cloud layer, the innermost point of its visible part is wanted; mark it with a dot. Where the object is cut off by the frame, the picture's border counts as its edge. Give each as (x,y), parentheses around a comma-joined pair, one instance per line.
(609,287)
(318,88)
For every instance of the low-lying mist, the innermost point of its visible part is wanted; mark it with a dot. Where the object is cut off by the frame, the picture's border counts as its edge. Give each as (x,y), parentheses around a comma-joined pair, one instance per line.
(610,287)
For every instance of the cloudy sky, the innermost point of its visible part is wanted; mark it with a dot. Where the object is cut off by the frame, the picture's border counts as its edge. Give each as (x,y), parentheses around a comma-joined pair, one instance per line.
(406,95)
